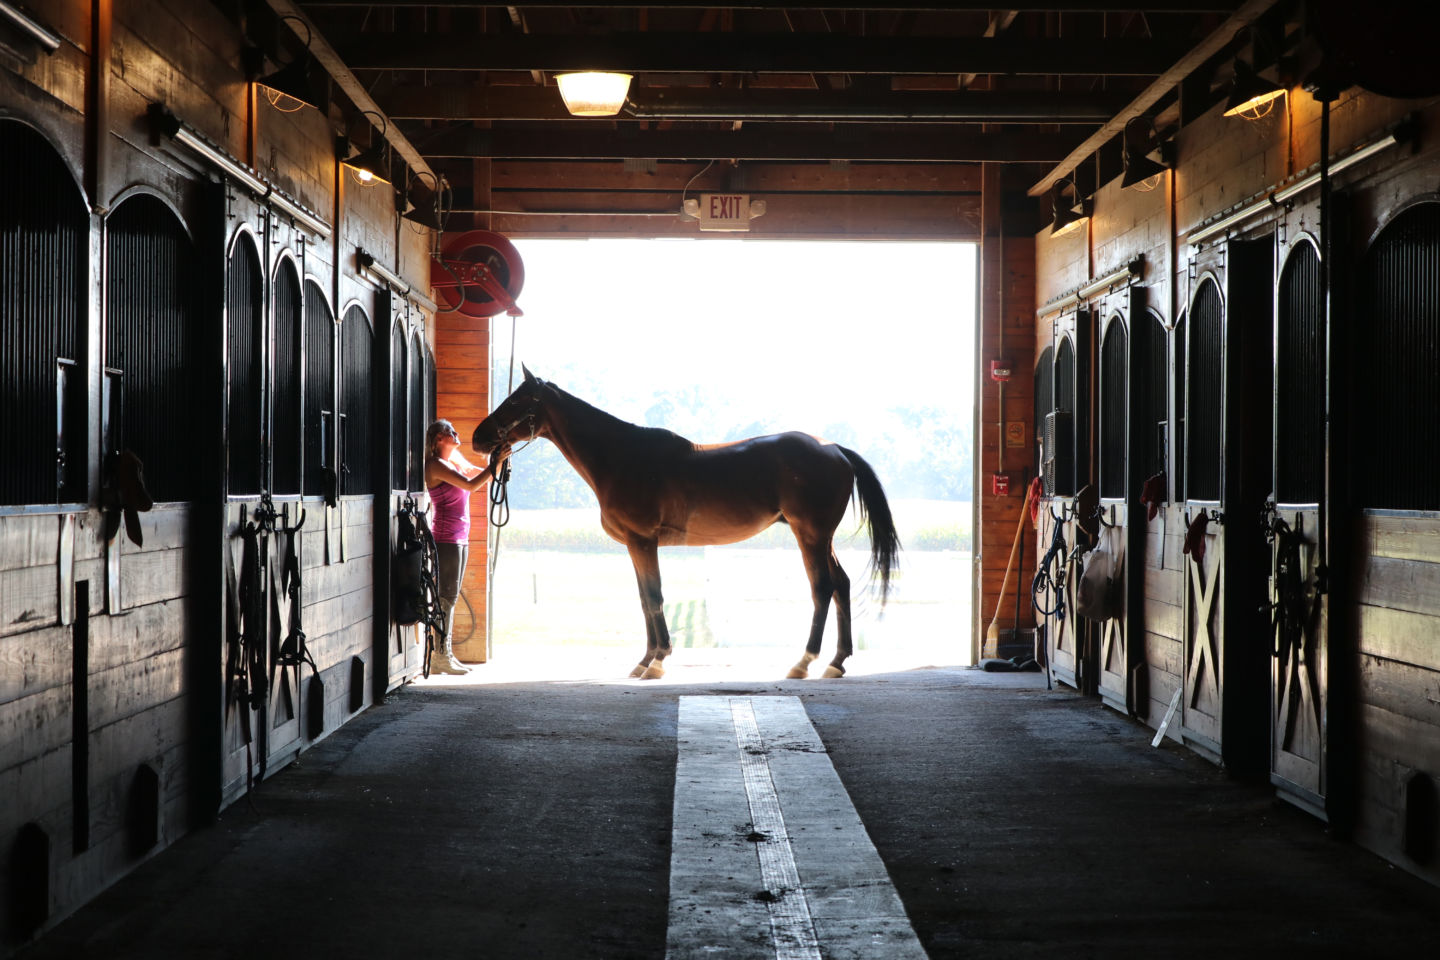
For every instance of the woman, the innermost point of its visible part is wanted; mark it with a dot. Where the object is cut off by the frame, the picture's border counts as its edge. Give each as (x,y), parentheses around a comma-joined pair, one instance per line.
(451,479)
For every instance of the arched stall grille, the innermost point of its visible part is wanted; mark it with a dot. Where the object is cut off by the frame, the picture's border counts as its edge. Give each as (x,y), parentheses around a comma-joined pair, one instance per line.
(1059,436)
(319,359)
(246,357)
(357,402)
(151,381)
(399,446)
(1044,404)
(1300,380)
(286,431)
(1177,433)
(1205,403)
(44,228)
(418,420)
(1398,390)
(1114,360)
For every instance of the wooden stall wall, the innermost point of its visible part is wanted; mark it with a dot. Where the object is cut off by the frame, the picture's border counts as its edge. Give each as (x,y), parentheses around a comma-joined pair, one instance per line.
(1004,413)
(1347,718)
(1390,663)
(120,722)
(462,396)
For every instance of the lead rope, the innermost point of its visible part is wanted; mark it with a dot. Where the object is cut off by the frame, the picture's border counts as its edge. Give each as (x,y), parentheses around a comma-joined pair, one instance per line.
(499,495)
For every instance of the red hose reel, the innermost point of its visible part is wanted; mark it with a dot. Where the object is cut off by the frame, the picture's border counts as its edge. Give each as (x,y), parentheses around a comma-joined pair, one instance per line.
(478,274)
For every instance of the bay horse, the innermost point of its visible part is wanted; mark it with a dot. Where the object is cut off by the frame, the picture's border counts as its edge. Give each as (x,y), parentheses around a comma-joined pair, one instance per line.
(658,489)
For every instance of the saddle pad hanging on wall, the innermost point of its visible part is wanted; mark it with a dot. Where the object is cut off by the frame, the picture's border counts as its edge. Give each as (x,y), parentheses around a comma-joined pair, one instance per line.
(1097,592)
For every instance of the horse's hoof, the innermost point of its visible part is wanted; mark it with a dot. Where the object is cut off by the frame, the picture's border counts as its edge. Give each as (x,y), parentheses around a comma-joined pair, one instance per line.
(832,671)
(653,672)
(797,672)
(638,672)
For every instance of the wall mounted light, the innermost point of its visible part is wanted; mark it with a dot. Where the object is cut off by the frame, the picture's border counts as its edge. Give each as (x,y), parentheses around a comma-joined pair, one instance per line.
(592,94)
(1069,215)
(1140,140)
(429,203)
(371,165)
(1251,96)
(299,83)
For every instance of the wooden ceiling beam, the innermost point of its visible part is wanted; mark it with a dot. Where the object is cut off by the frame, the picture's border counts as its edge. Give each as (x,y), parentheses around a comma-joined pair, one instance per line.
(756,53)
(959,6)
(467,101)
(754,142)
(1221,37)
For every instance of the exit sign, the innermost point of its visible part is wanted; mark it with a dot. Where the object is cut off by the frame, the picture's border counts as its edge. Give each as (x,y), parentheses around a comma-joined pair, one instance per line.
(725,211)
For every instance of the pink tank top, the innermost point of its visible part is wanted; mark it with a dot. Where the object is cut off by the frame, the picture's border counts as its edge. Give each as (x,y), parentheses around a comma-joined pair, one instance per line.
(451,523)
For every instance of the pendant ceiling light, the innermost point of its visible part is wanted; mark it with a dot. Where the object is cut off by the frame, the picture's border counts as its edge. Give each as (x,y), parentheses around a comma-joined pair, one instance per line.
(591,94)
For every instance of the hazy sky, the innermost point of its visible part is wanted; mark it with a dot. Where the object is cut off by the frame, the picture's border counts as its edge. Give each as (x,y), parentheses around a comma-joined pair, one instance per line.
(797,326)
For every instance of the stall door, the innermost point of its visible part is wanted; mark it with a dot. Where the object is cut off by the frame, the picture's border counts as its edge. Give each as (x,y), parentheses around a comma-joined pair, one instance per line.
(1298,611)
(1112,675)
(1063,469)
(1228,478)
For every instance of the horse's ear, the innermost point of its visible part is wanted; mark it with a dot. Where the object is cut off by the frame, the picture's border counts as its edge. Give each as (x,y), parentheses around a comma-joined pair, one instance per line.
(529,377)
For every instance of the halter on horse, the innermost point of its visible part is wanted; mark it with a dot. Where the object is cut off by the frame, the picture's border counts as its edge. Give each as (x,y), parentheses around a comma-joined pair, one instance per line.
(658,489)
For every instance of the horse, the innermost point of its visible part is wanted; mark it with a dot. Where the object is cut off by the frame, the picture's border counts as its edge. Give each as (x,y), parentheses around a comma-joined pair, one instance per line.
(658,489)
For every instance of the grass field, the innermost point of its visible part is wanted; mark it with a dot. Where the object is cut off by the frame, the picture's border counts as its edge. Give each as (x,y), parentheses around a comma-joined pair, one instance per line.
(738,596)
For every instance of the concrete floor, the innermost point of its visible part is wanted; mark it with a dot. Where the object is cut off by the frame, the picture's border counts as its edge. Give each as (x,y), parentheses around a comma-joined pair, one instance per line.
(506,817)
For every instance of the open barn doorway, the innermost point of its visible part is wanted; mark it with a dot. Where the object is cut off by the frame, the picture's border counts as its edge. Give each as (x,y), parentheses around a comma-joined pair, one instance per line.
(868,344)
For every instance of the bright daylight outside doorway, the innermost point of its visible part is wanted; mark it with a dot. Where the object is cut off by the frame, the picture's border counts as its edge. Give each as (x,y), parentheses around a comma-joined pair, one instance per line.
(866,344)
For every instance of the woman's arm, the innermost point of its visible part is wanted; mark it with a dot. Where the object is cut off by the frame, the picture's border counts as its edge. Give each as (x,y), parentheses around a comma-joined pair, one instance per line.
(439,471)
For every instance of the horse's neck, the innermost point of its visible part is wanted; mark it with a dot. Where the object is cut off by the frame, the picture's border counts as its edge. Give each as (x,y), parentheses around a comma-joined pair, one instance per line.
(588,437)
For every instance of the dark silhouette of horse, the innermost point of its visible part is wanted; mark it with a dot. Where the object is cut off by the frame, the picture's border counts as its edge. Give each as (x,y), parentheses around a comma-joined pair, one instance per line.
(658,489)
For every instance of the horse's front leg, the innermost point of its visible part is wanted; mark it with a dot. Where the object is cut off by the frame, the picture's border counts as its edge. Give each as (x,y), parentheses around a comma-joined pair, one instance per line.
(646,559)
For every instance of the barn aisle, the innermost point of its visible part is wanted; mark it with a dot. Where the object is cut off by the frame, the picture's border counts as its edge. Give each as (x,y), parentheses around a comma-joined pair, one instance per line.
(506,817)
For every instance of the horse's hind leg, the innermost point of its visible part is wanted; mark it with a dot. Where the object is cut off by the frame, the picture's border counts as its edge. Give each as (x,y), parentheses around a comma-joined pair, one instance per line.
(844,644)
(818,569)
(646,560)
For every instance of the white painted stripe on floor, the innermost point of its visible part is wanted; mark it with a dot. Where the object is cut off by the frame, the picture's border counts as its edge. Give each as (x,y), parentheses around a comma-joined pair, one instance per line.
(812,885)
(790,923)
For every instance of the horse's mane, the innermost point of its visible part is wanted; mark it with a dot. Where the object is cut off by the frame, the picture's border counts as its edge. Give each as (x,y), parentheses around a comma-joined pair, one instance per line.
(655,437)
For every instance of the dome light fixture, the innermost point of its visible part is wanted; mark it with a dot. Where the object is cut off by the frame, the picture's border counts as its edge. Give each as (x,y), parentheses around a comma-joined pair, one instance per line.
(593,94)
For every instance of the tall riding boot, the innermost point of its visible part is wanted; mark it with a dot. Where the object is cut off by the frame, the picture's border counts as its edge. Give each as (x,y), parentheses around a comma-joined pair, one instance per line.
(442,658)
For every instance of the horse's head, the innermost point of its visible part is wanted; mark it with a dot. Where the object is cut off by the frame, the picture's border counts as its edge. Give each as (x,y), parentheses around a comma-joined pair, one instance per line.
(520,417)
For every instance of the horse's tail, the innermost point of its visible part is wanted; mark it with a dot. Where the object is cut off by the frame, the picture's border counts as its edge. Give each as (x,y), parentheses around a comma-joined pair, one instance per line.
(875,510)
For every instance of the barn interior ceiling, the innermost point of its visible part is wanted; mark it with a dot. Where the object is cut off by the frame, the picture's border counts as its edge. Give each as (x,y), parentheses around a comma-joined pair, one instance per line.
(752,91)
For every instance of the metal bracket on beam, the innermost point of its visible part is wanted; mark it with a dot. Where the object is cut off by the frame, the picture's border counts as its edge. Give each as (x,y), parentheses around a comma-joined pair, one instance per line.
(165,122)
(1134,270)
(366,263)
(1283,195)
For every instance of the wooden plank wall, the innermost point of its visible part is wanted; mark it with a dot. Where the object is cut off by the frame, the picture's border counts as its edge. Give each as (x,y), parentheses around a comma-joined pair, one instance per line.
(1006,317)
(1224,164)
(855,201)
(110,705)
(462,396)
(1398,676)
